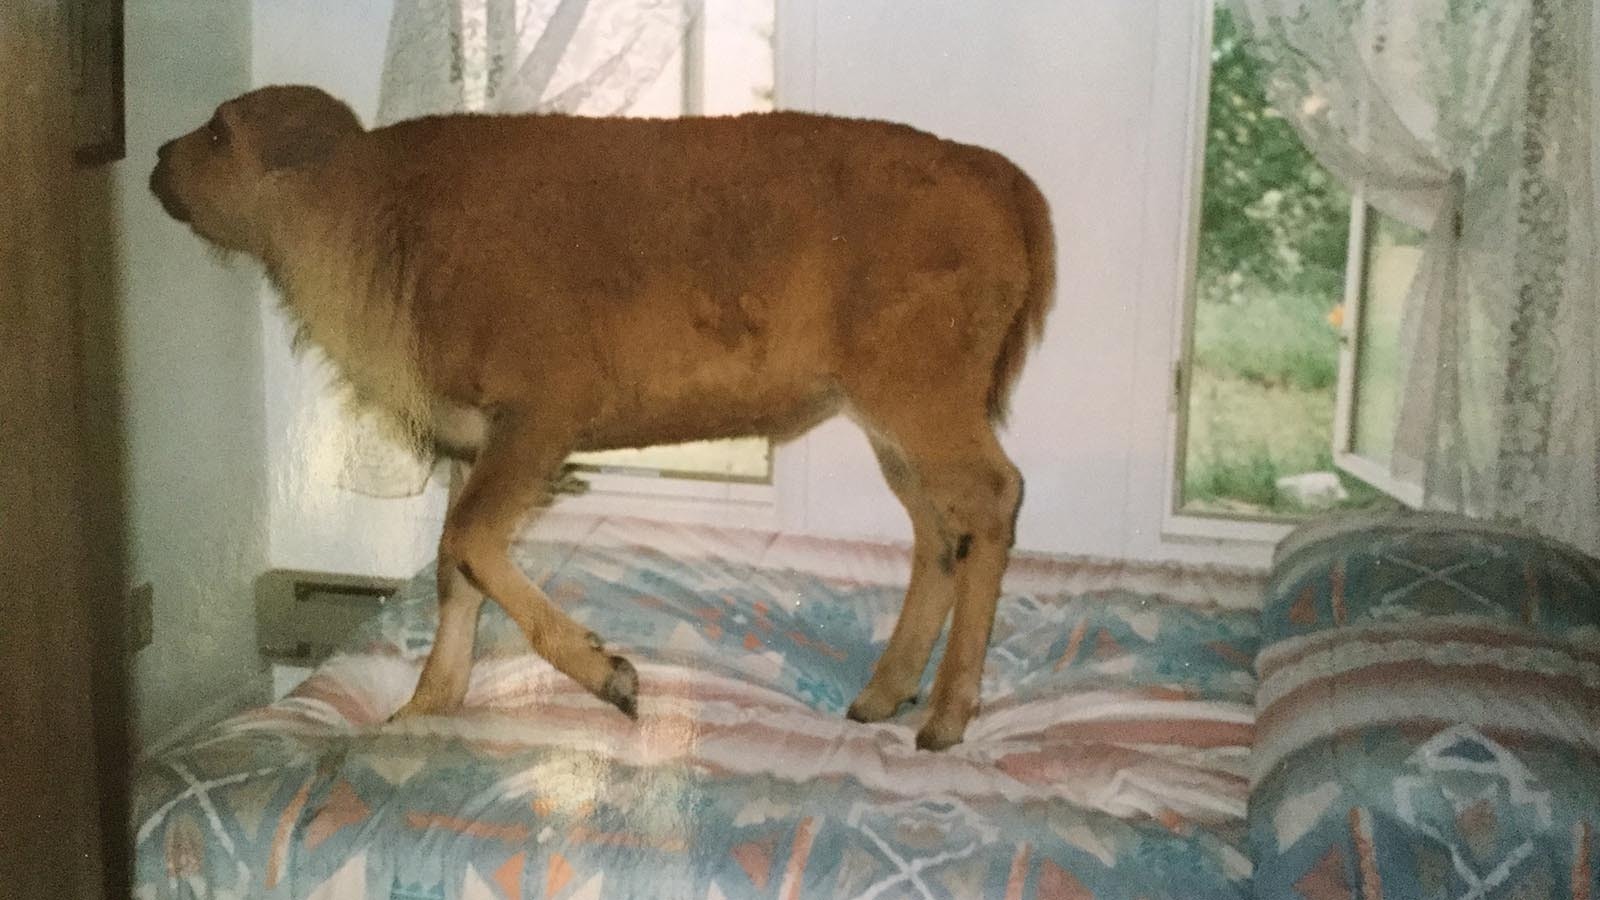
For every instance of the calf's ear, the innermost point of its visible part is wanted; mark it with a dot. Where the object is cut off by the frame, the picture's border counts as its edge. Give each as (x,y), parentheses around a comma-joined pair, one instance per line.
(306,134)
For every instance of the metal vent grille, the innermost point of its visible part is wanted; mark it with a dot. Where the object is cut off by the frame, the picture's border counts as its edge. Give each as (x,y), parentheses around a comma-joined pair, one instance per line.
(302,616)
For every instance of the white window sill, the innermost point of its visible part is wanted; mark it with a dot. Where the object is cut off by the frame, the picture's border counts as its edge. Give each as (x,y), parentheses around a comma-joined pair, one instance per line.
(1261,533)
(676,499)
(668,499)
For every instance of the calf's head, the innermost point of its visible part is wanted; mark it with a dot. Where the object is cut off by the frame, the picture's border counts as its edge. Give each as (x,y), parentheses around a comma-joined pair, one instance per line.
(222,179)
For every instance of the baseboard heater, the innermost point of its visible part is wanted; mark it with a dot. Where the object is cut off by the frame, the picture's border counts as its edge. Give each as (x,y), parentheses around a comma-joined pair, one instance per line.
(301,616)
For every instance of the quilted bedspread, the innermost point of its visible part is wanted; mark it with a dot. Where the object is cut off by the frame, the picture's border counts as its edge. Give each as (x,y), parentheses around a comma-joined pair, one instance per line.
(1110,758)
(1429,716)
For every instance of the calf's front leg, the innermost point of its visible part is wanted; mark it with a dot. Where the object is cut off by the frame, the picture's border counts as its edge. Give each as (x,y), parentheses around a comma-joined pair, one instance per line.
(448,670)
(510,479)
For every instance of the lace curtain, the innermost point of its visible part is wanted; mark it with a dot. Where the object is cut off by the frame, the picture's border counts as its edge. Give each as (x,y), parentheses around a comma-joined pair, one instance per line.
(506,56)
(1474,120)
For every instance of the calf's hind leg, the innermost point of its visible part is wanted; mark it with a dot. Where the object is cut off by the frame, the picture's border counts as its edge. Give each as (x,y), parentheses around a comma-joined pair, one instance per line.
(510,478)
(983,505)
(928,597)
(973,491)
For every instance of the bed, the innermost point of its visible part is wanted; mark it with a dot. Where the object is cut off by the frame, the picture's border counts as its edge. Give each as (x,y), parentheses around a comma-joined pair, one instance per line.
(1110,759)
(1428,717)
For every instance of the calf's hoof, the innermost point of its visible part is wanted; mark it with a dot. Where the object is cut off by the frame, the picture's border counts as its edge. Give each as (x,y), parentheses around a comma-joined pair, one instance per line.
(938,735)
(417,707)
(622,687)
(948,723)
(873,707)
(401,714)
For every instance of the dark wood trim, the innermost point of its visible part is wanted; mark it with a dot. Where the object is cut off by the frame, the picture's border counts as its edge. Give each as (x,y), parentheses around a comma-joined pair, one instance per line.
(114,147)
(63,675)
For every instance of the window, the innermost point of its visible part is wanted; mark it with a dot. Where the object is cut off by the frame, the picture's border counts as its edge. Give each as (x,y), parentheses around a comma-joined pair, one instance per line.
(1370,364)
(726,66)
(1273,275)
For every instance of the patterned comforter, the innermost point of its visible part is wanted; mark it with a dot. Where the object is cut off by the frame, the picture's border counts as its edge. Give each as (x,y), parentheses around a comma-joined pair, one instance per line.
(1110,758)
(1429,716)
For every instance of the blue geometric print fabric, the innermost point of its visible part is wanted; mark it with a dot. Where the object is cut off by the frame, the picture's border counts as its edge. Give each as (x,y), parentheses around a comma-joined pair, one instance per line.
(1109,760)
(1429,717)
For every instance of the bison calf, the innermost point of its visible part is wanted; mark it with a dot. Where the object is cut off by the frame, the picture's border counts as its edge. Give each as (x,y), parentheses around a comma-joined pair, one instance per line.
(516,288)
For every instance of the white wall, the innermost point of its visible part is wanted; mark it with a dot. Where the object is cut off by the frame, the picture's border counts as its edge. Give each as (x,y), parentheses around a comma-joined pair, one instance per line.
(193,379)
(314,524)
(1093,98)
(1063,90)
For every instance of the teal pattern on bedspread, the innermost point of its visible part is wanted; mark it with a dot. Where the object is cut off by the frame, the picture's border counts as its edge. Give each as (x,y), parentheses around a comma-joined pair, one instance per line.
(1429,717)
(1109,760)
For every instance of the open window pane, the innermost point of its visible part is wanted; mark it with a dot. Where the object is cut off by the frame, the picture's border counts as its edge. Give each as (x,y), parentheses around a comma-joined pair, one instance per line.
(1257,385)
(1371,370)
(727,66)
(1392,254)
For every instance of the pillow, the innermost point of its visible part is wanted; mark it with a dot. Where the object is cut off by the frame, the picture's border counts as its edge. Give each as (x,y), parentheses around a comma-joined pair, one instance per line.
(1428,714)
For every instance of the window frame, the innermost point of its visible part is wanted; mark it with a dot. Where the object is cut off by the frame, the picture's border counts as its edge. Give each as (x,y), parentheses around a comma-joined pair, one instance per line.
(732,503)
(1347,394)
(1176,522)
(590,470)
(679,484)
